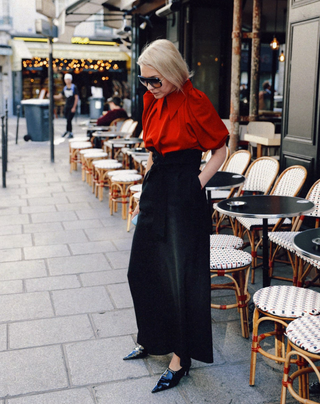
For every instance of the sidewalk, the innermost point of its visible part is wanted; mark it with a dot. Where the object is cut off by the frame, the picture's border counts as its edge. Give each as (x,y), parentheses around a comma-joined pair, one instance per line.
(66,317)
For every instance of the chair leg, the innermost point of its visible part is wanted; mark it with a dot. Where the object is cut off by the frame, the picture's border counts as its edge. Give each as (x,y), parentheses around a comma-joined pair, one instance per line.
(254,348)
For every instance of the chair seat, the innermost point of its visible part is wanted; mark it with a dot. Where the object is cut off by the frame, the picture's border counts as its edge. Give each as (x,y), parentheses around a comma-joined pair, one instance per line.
(225,241)
(126,177)
(91,151)
(249,223)
(136,188)
(111,173)
(136,196)
(108,164)
(79,139)
(92,155)
(287,301)
(305,333)
(283,239)
(80,145)
(228,259)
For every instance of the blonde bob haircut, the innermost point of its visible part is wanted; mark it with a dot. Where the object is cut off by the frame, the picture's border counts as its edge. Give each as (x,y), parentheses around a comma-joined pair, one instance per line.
(164,57)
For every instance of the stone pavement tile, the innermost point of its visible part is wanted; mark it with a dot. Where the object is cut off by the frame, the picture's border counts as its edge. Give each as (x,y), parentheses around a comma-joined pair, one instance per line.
(74,396)
(117,233)
(92,247)
(60,237)
(14,219)
(3,337)
(72,206)
(82,224)
(42,227)
(117,322)
(104,278)
(11,229)
(101,361)
(120,294)
(48,251)
(111,221)
(22,270)
(17,241)
(77,264)
(85,300)
(10,191)
(119,259)
(11,254)
(123,244)
(52,283)
(49,331)
(52,217)
(10,287)
(12,201)
(32,370)
(10,211)
(48,200)
(87,214)
(38,209)
(137,392)
(25,306)
(227,338)
(78,196)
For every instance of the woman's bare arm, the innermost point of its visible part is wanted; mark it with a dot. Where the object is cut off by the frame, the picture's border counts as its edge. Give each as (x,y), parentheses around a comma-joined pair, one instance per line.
(213,165)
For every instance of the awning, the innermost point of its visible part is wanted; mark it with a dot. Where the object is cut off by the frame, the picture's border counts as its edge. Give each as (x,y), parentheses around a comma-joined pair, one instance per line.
(20,51)
(5,50)
(28,50)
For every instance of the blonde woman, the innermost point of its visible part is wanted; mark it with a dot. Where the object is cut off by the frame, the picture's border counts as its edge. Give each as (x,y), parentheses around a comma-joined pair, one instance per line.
(168,272)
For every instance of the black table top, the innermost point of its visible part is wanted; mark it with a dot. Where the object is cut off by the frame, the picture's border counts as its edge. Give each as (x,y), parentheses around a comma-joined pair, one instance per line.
(131,140)
(265,206)
(225,180)
(308,243)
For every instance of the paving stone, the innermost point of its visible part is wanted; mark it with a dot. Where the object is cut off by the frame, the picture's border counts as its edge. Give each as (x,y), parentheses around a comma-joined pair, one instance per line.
(92,247)
(110,233)
(38,209)
(86,214)
(113,323)
(32,370)
(22,270)
(3,337)
(104,278)
(14,219)
(121,295)
(77,264)
(52,217)
(82,224)
(9,202)
(48,251)
(123,244)
(42,227)
(119,259)
(137,392)
(60,237)
(52,283)
(72,206)
(25,306)
(74,396)
(11,229)
(101,361)
(36,201)
(10,254)
(85,300)
(9,211)
(10,287)
(14,241)
(49,331)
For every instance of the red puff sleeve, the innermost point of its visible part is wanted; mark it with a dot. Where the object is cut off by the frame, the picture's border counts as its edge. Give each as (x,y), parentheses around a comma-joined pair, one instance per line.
(204,121)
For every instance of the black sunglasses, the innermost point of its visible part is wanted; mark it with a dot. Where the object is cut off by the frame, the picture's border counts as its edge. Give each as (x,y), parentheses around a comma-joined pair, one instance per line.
(154,82)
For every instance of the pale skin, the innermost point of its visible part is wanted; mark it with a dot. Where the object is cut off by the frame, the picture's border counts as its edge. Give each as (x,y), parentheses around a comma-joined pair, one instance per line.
(209,170)
(76,97)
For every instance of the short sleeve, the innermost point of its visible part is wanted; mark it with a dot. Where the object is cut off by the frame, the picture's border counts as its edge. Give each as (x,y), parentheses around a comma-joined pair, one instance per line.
(204,121)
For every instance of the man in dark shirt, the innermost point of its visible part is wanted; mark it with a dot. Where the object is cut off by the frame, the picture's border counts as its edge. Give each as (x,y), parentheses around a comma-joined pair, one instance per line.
(116,112)
(71,95)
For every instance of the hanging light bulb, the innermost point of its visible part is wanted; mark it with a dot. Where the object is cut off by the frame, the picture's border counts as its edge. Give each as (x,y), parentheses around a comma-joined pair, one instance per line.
(274,44)
(282,57)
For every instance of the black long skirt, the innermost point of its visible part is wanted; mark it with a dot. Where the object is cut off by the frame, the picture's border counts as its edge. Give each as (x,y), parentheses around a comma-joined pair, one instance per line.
(169,273)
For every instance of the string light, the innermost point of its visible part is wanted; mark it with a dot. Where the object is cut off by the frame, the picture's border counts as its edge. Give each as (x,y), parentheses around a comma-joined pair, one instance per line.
(74,64)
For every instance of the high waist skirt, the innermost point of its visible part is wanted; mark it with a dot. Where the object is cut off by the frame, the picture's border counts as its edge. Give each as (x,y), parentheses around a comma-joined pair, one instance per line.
(169,274)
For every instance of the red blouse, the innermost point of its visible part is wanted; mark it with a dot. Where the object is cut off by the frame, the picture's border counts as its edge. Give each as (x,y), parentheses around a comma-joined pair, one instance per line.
(182,120)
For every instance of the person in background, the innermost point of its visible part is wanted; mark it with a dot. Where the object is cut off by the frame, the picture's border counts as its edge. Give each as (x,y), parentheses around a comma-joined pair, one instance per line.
(168,273)
(71,95)
(265,97)
(116,112)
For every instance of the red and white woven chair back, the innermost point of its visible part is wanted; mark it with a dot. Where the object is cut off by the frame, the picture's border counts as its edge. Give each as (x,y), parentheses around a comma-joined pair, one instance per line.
(238,162)
(290,181)
(261,175)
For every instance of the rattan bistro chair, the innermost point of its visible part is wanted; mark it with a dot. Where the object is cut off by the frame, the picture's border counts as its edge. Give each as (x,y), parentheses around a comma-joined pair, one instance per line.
(289,183)
(301,265)
(304,343)
(279,305)
(75,148)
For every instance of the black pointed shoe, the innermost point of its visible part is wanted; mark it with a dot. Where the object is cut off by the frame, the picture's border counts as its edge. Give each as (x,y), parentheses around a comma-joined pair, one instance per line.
(170,378)
(138,353)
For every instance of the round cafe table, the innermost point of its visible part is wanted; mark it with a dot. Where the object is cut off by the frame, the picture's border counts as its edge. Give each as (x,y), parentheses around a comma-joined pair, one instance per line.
(265,207)
(308,243)
(125,142)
